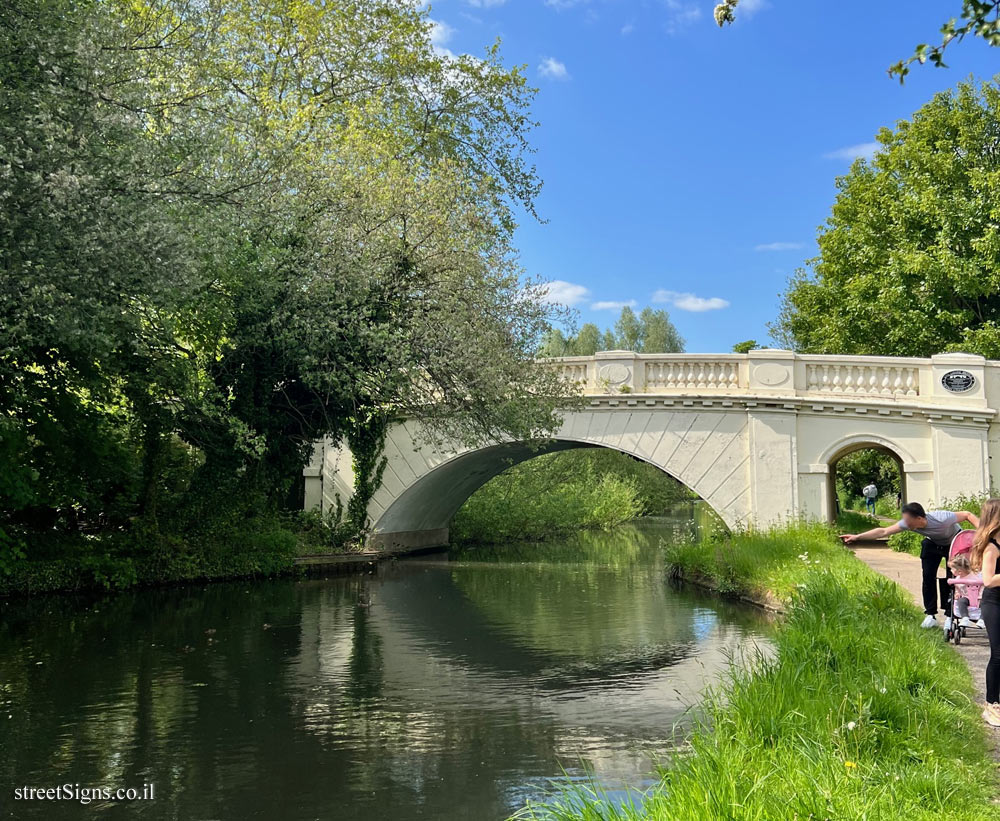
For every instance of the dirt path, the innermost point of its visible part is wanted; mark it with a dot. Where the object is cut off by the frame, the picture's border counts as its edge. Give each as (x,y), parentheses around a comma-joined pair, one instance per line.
(904,569)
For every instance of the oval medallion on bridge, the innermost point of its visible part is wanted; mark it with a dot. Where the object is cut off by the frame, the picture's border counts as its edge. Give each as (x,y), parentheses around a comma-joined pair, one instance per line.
(958,381)
(615,373)
(771,374)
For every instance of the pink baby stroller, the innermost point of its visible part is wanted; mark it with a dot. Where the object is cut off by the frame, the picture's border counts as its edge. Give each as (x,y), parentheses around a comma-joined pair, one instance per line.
(963,594)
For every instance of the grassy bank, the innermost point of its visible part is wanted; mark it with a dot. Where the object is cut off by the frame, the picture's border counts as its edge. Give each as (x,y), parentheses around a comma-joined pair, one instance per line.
(858,714)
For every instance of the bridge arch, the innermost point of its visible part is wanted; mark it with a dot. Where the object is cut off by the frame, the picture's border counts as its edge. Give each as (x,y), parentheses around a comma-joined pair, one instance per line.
(860,442)
(753,434)
(866,441)
(428,504)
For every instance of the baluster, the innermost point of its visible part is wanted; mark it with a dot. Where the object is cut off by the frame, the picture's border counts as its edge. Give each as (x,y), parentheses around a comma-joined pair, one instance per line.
(886,391)
(897,381)
(836,379)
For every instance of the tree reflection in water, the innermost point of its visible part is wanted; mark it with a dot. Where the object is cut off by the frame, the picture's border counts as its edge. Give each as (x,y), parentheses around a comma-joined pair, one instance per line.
(434,689)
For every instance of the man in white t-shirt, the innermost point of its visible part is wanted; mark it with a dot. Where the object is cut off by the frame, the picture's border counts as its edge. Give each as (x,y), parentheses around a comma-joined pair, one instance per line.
(938,527)
(870,492)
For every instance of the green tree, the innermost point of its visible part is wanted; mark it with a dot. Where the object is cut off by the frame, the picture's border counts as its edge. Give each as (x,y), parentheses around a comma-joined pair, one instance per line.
(649,332)
(857,469)
(909,260)
(224,238)
(657,333)
(588,341)
(746,346)
(555,344)
(980,18)
(628,330)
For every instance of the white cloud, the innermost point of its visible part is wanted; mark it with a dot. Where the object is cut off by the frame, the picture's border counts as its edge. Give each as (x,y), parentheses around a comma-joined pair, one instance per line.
(748,8)
(681,14)
(485,4)
(565,293)
(628,28)
(778,246)
(613,305)
(551,67)
(690,302)
(852,152)
(441,32)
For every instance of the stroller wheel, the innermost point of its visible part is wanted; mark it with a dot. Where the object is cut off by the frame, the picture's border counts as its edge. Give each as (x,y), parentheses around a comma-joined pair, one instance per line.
(959,631)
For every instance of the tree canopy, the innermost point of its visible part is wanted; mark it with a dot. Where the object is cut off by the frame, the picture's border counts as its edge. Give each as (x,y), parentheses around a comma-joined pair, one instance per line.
(228,230)
(651,331)
(909,260)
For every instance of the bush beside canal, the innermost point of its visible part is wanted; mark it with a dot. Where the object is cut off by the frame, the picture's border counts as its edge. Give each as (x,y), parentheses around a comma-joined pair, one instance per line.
(559,493)
(857,714)
(71,562)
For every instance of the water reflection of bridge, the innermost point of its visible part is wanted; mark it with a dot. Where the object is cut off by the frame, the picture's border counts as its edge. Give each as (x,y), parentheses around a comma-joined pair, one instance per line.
(586,646)
(421,688)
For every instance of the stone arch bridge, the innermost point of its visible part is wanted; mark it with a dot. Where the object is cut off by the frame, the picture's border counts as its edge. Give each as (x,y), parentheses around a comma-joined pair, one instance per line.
(755,435)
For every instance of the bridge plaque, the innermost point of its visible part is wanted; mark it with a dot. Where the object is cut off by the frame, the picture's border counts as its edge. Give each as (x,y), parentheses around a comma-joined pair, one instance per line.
(615,373)
(958,381)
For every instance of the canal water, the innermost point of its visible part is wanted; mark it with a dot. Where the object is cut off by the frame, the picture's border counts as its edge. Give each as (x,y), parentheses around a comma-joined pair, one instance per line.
(441,688)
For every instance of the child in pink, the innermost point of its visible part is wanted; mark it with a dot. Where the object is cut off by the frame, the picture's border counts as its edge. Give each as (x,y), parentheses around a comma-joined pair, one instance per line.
(968,586)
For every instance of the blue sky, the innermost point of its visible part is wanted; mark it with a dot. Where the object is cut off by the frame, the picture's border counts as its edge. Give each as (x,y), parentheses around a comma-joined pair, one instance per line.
(691,165)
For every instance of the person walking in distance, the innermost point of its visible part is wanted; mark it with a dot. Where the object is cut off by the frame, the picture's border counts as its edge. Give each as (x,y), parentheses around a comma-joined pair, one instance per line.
(938,527)
(870,492)
(985,557)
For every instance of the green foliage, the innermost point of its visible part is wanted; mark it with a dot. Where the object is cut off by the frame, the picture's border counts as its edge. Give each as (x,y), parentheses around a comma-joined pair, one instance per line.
(746,347)
(980,18)
(260,546)
(850,521)
(905,541)
(561,492)
(855,714)
(221,241)
(649,332)
(858,469)
(908,258)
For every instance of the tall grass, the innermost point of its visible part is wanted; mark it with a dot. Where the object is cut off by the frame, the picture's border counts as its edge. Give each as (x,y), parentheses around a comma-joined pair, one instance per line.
(858,714)
(850,521)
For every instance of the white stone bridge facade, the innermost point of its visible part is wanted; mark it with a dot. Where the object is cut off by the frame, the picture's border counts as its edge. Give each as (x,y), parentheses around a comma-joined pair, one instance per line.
(756,435)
